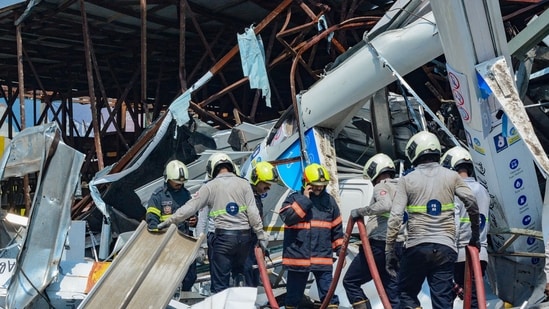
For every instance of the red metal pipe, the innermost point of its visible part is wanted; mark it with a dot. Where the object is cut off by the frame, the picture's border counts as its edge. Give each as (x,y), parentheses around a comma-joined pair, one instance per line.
(340,263)
(473,269)
(372,263)
(265,277)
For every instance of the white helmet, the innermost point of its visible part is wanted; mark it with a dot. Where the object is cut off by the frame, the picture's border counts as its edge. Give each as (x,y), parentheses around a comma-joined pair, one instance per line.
(217,159)
(378,164)
(456,156)
(176,171)
(422,143)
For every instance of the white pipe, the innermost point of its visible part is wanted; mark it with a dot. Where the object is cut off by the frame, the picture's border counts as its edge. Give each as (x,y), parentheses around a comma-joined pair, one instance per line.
(362,74)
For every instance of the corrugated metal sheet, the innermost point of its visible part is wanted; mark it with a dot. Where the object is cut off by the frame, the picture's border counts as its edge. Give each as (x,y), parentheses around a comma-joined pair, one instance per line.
(146,272)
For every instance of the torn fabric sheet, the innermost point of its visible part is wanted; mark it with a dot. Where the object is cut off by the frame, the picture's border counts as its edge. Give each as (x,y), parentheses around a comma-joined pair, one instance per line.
(252,55)
(180,107)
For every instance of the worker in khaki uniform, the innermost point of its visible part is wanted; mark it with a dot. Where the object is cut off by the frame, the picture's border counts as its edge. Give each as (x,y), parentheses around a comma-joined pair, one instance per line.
(235,215)
(459,159)
(312,232)
(427,194)
(381,170)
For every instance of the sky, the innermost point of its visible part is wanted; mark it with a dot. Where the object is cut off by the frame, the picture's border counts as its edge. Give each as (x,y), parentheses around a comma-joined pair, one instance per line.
(81,116)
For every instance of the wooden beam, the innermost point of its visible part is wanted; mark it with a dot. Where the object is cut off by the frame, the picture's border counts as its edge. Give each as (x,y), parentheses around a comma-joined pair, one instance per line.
(95,122)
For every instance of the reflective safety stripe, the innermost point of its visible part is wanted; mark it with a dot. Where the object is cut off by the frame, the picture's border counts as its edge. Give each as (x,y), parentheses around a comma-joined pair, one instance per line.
(164,218)
(313,223)
(215,213)
(295,206)
(423,208)
(336,243)
(321,224)
(153,210)
(307,262)
(385,215)
(300,226)
(322,261)
(274,228)
(336,221)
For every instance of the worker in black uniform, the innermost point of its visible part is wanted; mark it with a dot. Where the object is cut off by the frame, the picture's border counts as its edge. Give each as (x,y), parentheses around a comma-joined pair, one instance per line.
(263,175)
(312,232)
(165,201)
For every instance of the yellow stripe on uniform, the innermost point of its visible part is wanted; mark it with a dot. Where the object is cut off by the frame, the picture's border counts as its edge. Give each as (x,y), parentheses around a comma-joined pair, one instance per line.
(219,212)
(423,208)
(153,210)
(273,228)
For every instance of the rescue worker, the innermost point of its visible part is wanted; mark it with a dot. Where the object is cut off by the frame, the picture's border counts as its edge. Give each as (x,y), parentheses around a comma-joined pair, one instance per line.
(235,215)
(312,232)
(459,159)
(427,194)
(381,170)
(165,201)
(263,175)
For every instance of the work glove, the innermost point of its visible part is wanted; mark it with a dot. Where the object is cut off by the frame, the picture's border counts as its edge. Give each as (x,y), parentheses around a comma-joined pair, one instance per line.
(475,243)
(263,244)
(152,227)
(356,213)
(201,255)
(458,291)
(392,264)
(163,225)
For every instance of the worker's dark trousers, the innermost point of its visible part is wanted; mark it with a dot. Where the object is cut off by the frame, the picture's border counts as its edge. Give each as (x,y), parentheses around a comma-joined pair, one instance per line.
(434,262)
(358,274)
(209,241)
(296,286)
(230,249)
(251,274)
(190,278)
(459,278)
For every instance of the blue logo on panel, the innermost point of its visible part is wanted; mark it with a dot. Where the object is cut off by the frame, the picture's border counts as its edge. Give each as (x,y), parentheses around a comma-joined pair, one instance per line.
(518,183)
(500,142)
(522,200)
(530,240)
(526,220)
(535,260)
(513,164)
